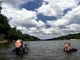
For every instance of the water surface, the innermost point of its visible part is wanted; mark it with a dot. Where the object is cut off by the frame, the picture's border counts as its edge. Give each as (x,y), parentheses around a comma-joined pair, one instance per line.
(43,50)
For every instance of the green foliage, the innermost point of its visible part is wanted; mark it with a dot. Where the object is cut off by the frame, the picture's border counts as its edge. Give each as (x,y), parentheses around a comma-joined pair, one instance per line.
(27,37)
(8,33)
(14,34)
(70,36)
(4,26)
(2,36)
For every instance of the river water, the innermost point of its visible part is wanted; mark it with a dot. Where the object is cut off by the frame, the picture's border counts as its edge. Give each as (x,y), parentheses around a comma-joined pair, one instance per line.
(42,50)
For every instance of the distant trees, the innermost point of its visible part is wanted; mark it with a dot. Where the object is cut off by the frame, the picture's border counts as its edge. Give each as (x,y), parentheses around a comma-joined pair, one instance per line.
(8,33)
(70,36)
(29,38)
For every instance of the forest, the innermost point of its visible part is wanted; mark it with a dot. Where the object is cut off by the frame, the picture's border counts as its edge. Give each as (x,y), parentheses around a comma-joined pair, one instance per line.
(8,33)
(68,37)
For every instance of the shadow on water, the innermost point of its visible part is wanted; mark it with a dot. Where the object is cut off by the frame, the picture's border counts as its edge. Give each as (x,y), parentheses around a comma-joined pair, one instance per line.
(42,50)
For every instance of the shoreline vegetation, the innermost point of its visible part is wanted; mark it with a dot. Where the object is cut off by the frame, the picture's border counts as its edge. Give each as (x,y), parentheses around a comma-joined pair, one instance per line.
(8,34)
(67,37)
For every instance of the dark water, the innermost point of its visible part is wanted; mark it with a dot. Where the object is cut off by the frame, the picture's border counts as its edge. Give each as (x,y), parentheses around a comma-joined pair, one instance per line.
(43,50)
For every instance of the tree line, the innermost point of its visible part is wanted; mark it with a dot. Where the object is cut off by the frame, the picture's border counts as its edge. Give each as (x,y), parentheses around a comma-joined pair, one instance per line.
(70,36)
(8,33)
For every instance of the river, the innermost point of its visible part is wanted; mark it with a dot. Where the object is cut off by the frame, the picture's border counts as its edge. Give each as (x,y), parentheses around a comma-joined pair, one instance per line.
(42,50)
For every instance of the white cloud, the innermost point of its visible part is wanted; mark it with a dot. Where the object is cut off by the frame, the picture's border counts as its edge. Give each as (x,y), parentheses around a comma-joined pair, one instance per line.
(41,23)
(69,18)
(74,27)
(73,15)
(23,29)
(46,10)
(23,19)
(59,22)
(56,7)
(70,22)
(51,32)
(63,4)
(27,21)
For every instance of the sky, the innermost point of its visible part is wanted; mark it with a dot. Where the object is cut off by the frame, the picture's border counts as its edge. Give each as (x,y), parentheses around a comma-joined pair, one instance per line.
(44,19)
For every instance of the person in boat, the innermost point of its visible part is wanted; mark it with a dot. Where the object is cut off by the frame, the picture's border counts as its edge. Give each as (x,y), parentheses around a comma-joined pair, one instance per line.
(68,47)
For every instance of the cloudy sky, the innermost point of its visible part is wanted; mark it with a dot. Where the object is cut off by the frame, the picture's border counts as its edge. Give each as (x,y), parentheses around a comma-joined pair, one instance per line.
(43,18)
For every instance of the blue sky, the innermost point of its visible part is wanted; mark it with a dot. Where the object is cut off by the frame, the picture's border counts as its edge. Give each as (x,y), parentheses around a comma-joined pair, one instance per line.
(35,4)
(43,18)
(32,5)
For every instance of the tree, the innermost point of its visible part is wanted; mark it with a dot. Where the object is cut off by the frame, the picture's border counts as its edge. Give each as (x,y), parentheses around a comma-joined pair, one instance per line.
(8,33)
(14,34)
(4,26)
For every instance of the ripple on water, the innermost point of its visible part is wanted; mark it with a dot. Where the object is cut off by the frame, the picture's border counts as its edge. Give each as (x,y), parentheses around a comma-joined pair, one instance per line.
(44,50)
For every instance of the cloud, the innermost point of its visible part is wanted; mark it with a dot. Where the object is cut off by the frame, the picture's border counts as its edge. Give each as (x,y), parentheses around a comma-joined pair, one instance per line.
(69,18)
(70,22)
(46,10)
(24,30)
(46,33)
(74,27)
(73,16)
(56,7)
(23,19)
(28,22)
(59,22)
(63,4)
